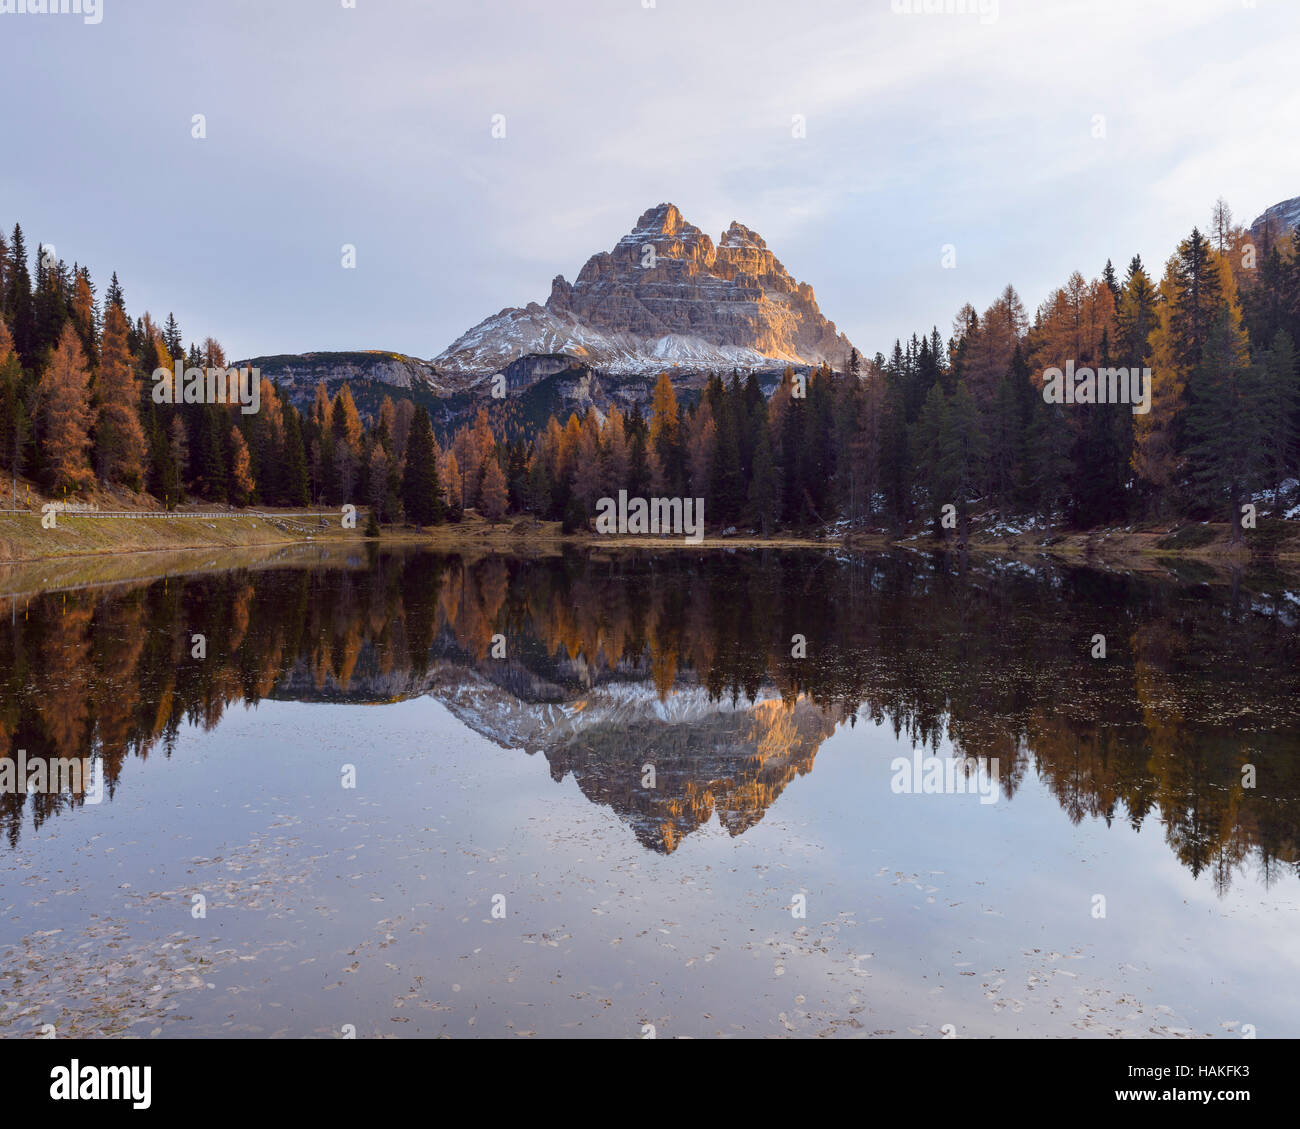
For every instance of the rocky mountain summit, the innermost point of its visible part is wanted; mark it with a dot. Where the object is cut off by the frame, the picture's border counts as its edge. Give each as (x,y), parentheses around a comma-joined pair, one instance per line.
(665,297)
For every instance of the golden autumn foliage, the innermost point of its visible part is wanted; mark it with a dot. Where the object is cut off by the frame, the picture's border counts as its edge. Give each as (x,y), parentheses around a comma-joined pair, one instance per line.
(1155,460)
(241,469)
(1070,326)
(119,438)
(493,495)
(65,415)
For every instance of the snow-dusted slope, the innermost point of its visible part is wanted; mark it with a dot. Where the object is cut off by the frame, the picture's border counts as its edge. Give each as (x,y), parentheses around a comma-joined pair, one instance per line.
(514,333)
(1280,220)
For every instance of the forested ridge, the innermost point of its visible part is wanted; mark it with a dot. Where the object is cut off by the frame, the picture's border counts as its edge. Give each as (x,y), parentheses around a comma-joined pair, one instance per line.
(956,422)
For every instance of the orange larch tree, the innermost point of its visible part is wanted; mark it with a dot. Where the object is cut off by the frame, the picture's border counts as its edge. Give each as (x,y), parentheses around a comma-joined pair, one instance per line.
(65,415)
(493,495)
(119,438)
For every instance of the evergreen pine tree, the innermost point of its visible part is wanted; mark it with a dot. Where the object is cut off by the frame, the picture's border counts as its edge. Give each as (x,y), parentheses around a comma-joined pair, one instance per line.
(539,489)
(1048,460)
(931,436)
(1112,282)
(175,345)
(1224,428)
(1279,408)
(19,307)
(764,500)
(964,453)
(113,296)
(208,452)
(421,493)
(13,412)
(1102,448)
(297,485)
(895,464)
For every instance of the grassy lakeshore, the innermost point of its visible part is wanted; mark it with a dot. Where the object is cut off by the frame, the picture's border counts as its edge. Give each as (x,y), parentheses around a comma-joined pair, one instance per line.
(1211,542)
(22,537)
(79,536)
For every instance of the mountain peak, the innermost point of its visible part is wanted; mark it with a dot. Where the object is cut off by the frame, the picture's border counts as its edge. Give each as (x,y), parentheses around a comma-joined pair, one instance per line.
(665,219)
(738,235)
(665,297)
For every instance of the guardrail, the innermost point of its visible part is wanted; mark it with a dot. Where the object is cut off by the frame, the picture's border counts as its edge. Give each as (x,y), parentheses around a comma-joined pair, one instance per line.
(313,520)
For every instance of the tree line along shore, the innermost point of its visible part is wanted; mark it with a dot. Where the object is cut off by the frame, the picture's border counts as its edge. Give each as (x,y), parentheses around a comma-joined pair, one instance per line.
(956,441)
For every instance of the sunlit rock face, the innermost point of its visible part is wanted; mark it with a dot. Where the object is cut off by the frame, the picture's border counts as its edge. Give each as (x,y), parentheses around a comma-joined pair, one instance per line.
(665,297)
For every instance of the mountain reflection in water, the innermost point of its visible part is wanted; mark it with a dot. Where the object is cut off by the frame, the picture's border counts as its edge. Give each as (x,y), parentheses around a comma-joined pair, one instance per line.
(685,662)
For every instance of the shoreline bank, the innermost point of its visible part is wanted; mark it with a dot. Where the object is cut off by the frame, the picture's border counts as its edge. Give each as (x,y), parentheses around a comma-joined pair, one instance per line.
(85,548)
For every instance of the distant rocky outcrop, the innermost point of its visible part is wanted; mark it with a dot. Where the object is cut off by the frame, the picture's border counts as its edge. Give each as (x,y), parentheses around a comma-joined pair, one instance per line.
(369,374)
(1278,222)
(296,371)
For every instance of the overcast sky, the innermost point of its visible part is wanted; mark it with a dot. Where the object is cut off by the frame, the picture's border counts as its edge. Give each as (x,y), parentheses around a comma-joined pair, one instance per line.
(372,126)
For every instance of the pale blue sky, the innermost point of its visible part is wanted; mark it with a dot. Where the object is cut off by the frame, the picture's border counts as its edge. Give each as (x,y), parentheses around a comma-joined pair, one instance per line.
(372,126)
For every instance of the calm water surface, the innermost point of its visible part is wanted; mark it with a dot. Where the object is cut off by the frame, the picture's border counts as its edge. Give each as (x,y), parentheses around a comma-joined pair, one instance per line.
(595,796)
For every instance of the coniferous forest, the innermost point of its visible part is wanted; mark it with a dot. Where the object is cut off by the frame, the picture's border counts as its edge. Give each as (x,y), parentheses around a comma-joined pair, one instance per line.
(954,421)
